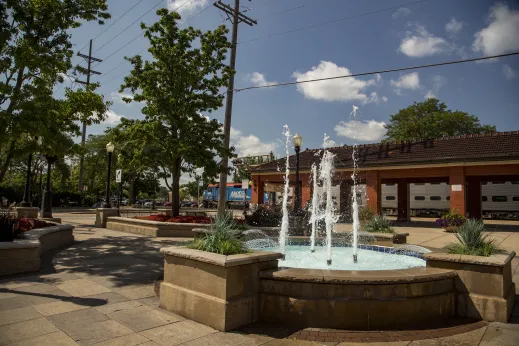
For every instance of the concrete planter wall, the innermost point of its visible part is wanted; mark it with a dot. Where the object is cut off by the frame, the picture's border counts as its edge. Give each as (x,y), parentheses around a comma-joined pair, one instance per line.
(23,255)
(153,228)
(216,290)
(484,288)
(102,215)
(356,300)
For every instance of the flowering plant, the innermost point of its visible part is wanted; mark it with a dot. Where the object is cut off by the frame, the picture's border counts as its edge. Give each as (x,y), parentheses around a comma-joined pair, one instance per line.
(26,224)
(451,219)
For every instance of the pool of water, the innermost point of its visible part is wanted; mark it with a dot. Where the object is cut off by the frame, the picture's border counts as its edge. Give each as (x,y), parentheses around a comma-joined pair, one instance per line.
(298,256)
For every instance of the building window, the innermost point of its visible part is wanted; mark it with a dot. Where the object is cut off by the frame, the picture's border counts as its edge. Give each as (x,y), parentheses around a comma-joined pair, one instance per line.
(498,182)
(419,198)
(484,198)
(483,183)
(435,183)
(390,198)
(515,199)
(390,184)
(448,198)
(499,199)
(435,198)
(419,183)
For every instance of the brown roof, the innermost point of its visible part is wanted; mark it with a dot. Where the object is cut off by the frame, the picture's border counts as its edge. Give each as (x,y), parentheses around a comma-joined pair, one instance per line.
(484,147)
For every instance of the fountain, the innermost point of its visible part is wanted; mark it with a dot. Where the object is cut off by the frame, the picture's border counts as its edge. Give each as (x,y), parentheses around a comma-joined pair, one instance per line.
(314,219)
(326,172)
(355,202)
(284,221)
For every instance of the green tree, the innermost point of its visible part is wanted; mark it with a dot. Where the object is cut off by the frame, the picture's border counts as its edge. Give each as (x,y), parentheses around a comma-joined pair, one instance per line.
(193,188)
(35,48)
(177,85)
(431,119)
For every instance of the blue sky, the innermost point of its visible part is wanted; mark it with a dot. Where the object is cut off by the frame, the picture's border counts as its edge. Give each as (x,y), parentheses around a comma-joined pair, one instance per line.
(414,34)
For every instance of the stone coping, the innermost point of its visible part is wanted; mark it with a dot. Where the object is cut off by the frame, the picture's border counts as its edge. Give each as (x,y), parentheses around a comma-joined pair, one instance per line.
(31,238)
(362,277)
(221,260)
(153,223)
(493,261)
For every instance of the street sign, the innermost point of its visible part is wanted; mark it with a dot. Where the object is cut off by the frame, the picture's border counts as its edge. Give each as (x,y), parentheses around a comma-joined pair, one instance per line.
(118,175)
(245,184)
(201,184)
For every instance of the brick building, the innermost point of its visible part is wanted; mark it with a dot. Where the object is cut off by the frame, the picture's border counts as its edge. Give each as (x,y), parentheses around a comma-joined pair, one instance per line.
(464,162)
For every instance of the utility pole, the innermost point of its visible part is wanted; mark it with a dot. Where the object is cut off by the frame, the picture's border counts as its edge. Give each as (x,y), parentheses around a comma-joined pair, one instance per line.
(89,72)
(237,17)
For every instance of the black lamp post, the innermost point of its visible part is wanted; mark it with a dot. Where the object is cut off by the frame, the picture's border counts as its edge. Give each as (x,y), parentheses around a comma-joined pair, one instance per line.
(46,201)
(297,140)
(26,202)
(109,149)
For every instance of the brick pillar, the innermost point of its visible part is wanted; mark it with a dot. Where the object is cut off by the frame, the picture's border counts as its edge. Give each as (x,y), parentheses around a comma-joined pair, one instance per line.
(258,190)
(306,192)
(457,190)
(403,200)
(474,198)
(373,190)
(345,199)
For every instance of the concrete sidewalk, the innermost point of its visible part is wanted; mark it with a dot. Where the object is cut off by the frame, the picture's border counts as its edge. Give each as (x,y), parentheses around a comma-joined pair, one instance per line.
(103,291)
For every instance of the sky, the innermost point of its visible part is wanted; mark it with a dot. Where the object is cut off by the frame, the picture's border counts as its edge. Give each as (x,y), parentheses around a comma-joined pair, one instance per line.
(399,34)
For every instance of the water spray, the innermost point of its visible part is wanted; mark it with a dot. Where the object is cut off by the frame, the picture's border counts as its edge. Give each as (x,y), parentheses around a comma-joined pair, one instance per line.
(284,221)
(355,202)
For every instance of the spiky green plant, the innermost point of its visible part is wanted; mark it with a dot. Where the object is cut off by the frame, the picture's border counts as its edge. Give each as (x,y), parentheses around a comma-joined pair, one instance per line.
(379,224)
(223,237)
(472,240)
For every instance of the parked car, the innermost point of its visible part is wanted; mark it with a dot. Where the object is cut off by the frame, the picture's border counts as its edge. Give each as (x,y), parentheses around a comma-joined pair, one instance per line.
(168,204)
(98,204)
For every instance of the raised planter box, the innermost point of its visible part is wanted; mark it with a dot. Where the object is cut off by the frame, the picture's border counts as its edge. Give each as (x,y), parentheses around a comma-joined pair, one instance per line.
(153,228)
(484,287)
(216,290)
(23,255)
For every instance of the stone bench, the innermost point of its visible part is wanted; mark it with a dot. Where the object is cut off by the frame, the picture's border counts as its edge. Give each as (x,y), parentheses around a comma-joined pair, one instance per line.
(153,228)
(23,255)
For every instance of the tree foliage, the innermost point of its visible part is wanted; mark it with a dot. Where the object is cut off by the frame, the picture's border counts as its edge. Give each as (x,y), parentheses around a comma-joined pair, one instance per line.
(181,82)
(432,119)
(35,51)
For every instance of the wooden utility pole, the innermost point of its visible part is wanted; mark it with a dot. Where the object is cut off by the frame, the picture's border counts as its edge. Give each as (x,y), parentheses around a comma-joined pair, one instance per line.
(237,17)
(89,71)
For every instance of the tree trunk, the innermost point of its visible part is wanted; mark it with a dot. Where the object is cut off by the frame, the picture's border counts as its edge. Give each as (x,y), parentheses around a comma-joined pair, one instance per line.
(175,188)
(9,157)
(133,190)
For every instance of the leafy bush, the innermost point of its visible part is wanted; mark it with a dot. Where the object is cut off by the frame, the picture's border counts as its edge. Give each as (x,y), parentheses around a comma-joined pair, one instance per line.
(472,240)
(451,219)
(265,216)
(8,226)
(378,223)
(223,238)
(366,214)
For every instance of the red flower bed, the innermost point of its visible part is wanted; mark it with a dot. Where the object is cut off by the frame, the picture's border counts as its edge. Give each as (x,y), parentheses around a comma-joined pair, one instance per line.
(182,219)
(26,224)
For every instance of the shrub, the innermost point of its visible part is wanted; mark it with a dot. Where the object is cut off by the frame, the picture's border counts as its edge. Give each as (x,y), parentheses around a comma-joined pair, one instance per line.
(378,223)
(8,226)
(265,216)
(451,219)
(472,240)
(366,214)
(223,237)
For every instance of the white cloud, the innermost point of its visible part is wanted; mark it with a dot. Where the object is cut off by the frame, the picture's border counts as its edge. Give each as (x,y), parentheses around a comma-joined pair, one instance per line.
(408,81)
(453,26)
(112,118)
(508,72)
(341,89)
(502,33)
(65,77)
(384,99)
(401,12)
(258,79)
(118,97)
(437,83)
(365,131)
(189,7)
(251,144)
(328,143)
(373,98)
(420,43)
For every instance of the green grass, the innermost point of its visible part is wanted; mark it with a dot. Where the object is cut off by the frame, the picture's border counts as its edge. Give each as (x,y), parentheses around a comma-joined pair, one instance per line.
(378,224)
(472,241)
(223,237)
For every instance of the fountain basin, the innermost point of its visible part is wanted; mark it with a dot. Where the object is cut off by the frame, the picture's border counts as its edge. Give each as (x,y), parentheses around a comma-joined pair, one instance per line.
(359,300)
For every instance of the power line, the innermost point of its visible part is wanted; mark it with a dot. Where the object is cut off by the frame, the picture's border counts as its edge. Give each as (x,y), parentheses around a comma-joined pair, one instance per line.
(285,11)
(135,21)
(332,21)
(379,72)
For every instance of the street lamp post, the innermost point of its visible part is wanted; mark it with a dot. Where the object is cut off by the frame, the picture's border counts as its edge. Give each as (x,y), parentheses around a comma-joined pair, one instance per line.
(46,202)
(297,140)
(26,202)
(109,149)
